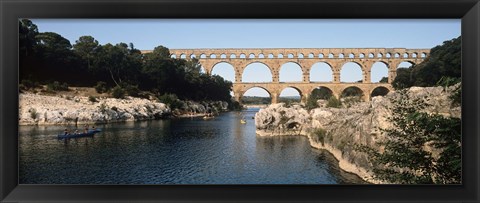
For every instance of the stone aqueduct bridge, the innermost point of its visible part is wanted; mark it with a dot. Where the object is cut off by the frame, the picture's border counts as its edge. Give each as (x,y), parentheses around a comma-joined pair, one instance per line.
(305,58)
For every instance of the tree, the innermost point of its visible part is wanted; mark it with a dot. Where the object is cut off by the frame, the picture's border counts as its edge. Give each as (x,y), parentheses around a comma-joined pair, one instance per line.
(27,41)
(352,91)
(47,57)
(51,42)
(56,60)
(121,62)
(86,47)
(444,61)
(384,80)
(192,68)
(379,92)
(318,93)
(27,37)
(160,69)
(408,157)
(403,79)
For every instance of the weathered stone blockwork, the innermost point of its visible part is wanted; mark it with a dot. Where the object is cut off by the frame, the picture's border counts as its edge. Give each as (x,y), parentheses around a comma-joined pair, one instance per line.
(305,58)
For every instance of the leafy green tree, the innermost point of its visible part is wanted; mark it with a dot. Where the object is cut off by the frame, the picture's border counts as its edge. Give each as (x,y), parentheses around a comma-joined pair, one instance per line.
(408,157)
(86,47)
(121,62)
(161,70)
(47,57)
(321,93)
(56,60)
(256,100)
(192,68)
(318,93)
(171,100)
(27,36)
(27,58)
(101,87)
(384,80)
(53,44)
(403,79)
(311,103)
(118,92)
(352,91)
(443,61)
(379,92)
(334,103)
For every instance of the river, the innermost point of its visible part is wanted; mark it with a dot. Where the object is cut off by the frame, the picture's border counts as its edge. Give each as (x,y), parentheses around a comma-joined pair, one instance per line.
(175,151)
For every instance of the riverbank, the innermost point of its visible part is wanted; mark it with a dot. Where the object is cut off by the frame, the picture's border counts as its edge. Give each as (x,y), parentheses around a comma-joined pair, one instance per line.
(65,109)
(343,163)
(340,131)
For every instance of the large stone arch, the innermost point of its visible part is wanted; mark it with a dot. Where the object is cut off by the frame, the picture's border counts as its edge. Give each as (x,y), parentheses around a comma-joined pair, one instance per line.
(335,64)
(221,61)
(405,61)
(371,93)
(372,66)
(299,90)
(225,62)
(282,65)
(239,93)
(330,68)
(327,88)
(365,93)
(362,69)
(260,62)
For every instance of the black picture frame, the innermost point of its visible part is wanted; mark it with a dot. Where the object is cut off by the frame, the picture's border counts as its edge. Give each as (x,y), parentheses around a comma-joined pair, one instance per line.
(11,11)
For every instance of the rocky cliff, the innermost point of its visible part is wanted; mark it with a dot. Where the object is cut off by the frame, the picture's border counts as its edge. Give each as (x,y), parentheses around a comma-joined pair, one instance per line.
(340,130)
(35,109)
(51,110)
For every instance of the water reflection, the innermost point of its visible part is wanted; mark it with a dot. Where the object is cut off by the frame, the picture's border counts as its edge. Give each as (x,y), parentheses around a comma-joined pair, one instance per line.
(176,151)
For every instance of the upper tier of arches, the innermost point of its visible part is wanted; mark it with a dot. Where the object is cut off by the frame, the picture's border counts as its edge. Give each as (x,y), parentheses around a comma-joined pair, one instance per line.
(341,53)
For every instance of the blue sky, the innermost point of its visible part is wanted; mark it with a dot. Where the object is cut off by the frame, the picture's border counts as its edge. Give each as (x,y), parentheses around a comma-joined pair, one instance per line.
(146,34)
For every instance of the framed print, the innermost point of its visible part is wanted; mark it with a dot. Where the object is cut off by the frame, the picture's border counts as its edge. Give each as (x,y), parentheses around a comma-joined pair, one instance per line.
(239,101)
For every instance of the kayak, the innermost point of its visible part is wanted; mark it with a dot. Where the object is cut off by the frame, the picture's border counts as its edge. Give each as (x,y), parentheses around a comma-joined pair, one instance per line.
(90,133)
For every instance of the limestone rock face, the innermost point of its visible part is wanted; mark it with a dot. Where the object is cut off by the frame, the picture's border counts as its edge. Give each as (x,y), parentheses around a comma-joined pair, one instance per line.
(347,128)
(278,118)
(49,110)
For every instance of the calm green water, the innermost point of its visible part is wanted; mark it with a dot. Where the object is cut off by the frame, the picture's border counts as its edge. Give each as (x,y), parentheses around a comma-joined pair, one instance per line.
(177,151)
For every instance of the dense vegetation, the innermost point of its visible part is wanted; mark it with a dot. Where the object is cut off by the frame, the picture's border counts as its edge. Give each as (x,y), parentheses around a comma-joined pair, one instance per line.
(420,148)
(253,100)
(318,93)
(120,69)
(443,64)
